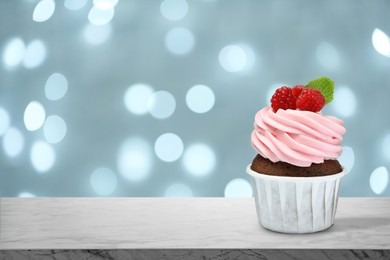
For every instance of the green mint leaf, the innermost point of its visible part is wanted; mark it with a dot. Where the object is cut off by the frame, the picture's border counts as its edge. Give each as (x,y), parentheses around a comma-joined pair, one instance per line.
(325,85)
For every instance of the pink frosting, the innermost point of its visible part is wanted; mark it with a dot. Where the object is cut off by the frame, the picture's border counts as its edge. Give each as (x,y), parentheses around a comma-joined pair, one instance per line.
(297,137)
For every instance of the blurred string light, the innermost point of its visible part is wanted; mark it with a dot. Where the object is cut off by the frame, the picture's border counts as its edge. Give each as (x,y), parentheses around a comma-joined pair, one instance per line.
(134,159)
(174,10)
(44,10)
(161,104)
(101,12)
(75,4)
(13,142)
(103,181)
(168,147)
(347,158)
(386,146)
(56,86)
(199,159)
(238,188)
(327,55)
(95,34)
(179,41)
(34,116)
(54,129)
(235,58)
(42,156)
(381,42)
(200,99)
(379,180)
(35,54)
(178,190)
(4,121)
(14,52)
(136,98)
(344,102)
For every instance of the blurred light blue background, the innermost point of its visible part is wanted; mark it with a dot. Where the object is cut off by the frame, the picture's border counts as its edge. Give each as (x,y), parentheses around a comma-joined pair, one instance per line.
(157,98)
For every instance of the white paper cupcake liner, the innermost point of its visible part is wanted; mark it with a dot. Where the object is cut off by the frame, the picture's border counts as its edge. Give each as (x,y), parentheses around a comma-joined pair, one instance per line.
(296,204)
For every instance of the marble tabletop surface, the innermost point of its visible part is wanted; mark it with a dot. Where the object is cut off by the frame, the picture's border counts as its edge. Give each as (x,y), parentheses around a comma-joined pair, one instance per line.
(163,223)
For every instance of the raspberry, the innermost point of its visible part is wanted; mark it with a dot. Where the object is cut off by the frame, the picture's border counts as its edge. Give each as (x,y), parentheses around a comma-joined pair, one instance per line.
(297,90)
(283,98)
(310,100)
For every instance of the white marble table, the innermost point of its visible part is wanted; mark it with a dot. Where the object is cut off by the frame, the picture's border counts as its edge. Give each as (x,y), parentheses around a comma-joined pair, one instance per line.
(96,226)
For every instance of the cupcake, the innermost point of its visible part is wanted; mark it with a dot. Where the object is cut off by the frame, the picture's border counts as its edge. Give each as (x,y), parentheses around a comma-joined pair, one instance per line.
(296,172)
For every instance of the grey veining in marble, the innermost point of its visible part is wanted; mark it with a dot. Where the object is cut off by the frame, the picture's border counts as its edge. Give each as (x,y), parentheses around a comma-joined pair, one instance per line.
(194,254)
(161,223)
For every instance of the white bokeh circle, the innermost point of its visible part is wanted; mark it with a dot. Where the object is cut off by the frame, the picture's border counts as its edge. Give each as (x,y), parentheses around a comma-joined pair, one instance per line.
(34,116)
(161,104)
(103,181)
(199,159)
(200,99)
(56,86)
(136,98)
(379,180)
(238,188)
(179,41)
(54,129)
(168,147)
(135,159)
(42,156)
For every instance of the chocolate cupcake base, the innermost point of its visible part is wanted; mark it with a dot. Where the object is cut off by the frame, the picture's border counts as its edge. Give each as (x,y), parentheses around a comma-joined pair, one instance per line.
(265,166)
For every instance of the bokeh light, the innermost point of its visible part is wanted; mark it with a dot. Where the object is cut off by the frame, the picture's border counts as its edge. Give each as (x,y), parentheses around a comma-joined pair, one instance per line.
(235,58)
(4,121)
(178,190)
(13,142)
(97,34)
(200,99)
(101,14)
(14,52)
(103,3)
(381,42)
(347,158)
(199,159)
(344,102)
(34,116)
(145,88)
(44,10)
(174,10)
(327,55)
(168,147)
(35,54)
(135,159)
(103,181)
(161,104)
(42,156)
(25,194)
(56,86)
(75,4)
(136,98)
(238,188)
(386,146)
(179,41)
(54,129)
(379,180)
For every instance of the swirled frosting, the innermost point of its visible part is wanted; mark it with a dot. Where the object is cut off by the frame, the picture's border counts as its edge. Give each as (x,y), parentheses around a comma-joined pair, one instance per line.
(297,137)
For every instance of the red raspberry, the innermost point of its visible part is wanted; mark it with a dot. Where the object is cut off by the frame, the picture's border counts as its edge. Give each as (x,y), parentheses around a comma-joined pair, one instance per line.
(311,100)
(283,98)
(297,90)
